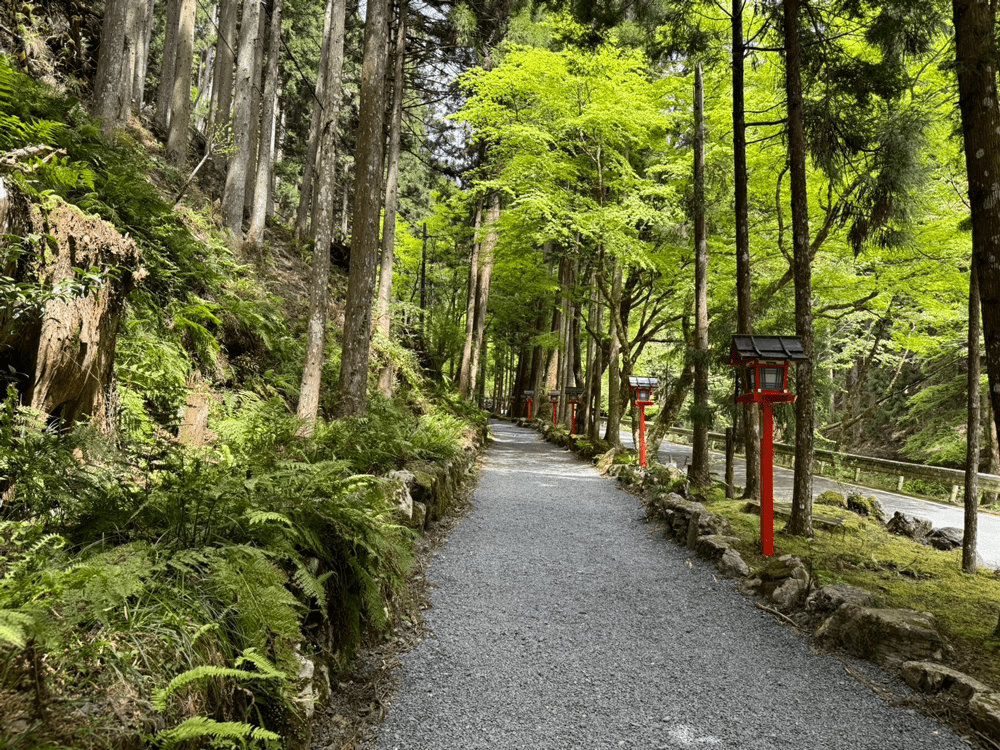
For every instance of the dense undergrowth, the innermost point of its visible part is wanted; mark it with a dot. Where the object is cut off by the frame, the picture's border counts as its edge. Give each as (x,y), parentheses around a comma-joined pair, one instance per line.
(157,593)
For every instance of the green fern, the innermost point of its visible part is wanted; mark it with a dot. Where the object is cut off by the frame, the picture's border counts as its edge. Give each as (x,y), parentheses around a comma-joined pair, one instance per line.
(14,627)
(201,727)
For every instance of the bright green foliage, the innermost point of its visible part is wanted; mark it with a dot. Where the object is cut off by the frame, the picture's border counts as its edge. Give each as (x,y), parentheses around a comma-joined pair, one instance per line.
(223,734)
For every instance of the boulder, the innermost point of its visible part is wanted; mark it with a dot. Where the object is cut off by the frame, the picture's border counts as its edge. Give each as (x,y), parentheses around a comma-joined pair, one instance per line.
(785,581)
(418,520)
(946,539)
(402,480)
(712,546)
(928,677)
(886,636)
(984,710)
(869,507)
(828,599)
(731,565)
(908,526)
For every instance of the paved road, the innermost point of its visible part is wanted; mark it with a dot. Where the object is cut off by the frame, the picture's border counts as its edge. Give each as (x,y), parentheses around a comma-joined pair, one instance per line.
(941,516)
(559,622)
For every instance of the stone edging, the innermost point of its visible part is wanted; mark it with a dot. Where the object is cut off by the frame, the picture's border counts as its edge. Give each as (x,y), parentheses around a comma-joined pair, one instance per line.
(906,642)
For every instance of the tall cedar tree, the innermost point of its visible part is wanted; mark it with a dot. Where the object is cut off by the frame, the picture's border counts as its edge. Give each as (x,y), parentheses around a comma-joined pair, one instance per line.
(354,363)
(319,282)
(800,521)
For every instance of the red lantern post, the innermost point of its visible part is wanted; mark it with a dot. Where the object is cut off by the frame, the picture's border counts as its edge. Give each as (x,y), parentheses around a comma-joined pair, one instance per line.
(554,398)
(529,397)
(763,379)
(642,396)
(573,397)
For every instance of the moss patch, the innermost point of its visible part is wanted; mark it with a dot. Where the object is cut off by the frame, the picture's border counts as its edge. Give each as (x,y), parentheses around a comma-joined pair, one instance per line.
(898,572)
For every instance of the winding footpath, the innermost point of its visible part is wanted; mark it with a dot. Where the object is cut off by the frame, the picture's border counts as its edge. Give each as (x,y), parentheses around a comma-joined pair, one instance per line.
(559,622)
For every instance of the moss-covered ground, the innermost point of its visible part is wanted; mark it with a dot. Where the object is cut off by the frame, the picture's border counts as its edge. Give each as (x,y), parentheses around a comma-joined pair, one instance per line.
(899,572)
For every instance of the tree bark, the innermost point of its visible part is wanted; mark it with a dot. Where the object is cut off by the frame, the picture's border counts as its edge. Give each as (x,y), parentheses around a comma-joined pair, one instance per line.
(483,278)
(973,431)
(367,210)
(611,432)
(144,22)
(115,73)
(225,61)
(974,22)
(265,165)
(800,521)
(256,95)
(308,408)
(180,97)
(310,167)
(701,411)
(236,175)
(391,203)
(744,306)
(465,377)
(165,90)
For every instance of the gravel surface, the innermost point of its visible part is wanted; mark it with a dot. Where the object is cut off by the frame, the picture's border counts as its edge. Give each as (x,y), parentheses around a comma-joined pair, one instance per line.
(560,623)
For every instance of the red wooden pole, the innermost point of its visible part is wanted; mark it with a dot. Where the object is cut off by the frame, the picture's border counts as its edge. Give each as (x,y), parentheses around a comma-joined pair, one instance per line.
(529,409)
(767,480)
(554,407)
(574,420)
(642,434)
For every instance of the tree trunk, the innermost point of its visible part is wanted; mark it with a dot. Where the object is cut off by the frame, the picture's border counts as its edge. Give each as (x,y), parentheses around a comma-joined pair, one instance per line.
(483,281)
(800,522)
(974,22)
(253,158)
(973,434)
(165,90)
(992,448)
(465,376)
(367,211)
(611,432)
(701,411)
(144,22)
(308,408)
(115,73)
(225,60)
(236,175)
(262,185)
(670,409)
(391,204)
(310,167)
(744,309)
(180,97)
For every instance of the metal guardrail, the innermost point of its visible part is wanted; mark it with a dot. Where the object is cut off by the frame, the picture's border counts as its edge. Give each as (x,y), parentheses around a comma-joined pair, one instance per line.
(901,469)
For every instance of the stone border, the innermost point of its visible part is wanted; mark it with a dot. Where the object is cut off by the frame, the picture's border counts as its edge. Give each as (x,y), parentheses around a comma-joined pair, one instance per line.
(842,617)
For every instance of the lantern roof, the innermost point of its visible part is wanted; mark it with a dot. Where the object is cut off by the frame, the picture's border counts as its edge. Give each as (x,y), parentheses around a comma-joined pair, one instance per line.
(768,348)
(574,391)
(529,393)
(650,383)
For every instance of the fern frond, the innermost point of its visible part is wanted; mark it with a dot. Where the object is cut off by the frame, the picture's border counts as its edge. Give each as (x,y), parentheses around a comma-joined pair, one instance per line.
(201,726)
(206,672)
(267,668)
(260,517)
(13,627)
(311,585)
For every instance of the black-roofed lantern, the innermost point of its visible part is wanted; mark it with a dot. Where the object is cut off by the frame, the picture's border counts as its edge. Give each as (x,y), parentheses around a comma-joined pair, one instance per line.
(529,399)
(554,398)
(762,378)
(642,395)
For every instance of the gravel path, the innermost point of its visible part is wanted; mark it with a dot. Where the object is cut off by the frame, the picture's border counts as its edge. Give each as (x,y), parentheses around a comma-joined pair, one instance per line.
(560,623)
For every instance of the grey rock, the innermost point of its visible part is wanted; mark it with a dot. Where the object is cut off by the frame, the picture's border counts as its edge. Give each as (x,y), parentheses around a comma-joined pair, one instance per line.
(928,677)
(885,636)
(731,565)
(908,526)
(946,539)
(984,709)
(828,599)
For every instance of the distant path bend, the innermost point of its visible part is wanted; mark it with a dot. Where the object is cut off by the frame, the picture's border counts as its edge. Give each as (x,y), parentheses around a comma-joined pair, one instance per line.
(560,623)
